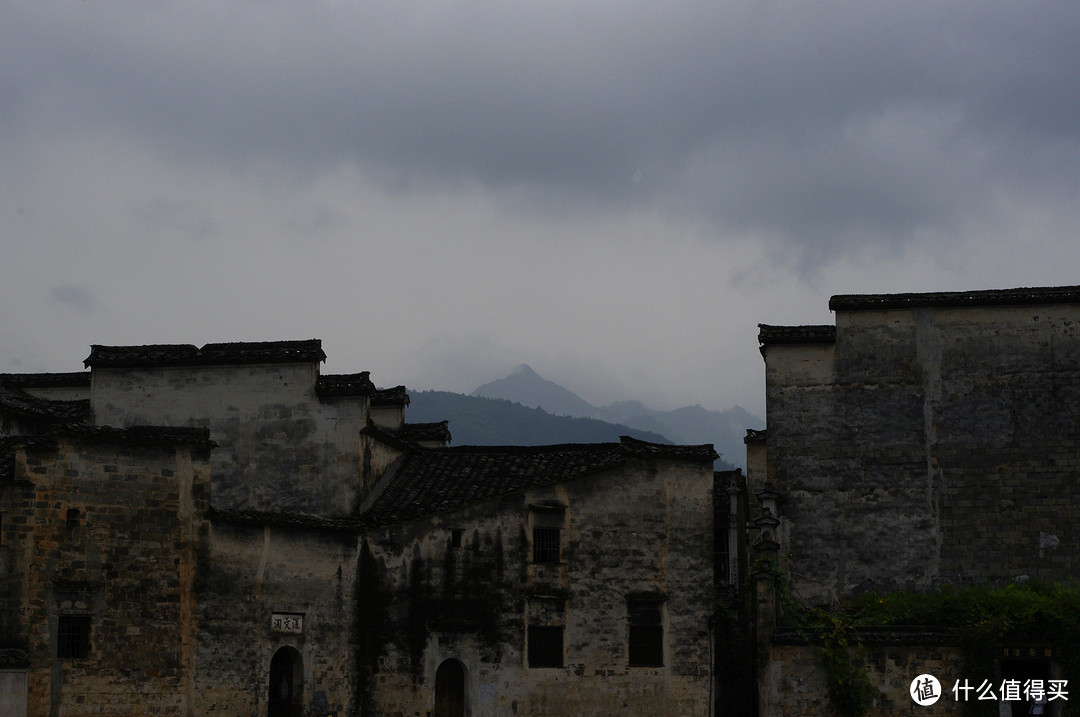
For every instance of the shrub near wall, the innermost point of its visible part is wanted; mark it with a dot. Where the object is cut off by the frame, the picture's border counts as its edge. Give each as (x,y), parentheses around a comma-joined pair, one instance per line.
(867,652)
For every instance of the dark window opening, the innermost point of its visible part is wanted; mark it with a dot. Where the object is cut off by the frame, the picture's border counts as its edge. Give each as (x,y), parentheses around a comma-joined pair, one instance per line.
(455,537)
(720,547)
(545,646)
(73,637)
(646,634)
(545,545)
(72,518)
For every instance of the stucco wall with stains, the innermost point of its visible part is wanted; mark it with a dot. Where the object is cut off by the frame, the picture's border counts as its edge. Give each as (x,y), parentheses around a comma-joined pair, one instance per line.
(281,446)
(641,531)
(927,444)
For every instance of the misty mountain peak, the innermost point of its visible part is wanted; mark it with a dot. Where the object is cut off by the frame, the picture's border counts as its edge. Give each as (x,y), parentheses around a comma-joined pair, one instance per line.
(689,424)
(529,388)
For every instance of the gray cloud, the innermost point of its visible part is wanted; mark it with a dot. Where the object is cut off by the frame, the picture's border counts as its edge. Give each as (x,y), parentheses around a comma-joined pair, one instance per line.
(72,296)
(614,193)
(175,217)
(827,123)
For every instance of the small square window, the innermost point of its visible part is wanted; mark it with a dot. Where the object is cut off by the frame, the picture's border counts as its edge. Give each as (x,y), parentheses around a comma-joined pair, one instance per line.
(545,646)
(73,636)
(73,518)
(456,535)
(545,545)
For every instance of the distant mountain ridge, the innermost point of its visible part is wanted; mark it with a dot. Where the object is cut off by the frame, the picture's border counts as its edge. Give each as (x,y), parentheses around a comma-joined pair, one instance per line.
(479,421)
(688,425)
(529,388)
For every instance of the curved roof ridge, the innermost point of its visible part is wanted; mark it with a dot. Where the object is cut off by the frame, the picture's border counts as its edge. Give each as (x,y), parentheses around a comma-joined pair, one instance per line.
(21,403)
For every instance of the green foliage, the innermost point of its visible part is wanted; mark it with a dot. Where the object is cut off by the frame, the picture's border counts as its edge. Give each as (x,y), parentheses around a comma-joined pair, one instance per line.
(838,650)
(984,617)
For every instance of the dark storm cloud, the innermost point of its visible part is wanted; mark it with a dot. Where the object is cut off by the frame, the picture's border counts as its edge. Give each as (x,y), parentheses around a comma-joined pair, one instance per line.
(825,121)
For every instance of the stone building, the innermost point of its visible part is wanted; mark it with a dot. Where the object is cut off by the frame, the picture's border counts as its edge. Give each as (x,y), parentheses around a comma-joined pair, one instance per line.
(923,439)
(224,530)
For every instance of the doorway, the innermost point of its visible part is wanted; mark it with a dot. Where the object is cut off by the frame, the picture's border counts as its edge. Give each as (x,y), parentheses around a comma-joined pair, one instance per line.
(1023,670)
(13,692)
(450,690)
(286,684)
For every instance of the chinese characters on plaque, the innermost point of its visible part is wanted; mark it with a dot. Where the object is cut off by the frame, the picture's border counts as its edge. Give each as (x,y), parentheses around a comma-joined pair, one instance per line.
(292,622)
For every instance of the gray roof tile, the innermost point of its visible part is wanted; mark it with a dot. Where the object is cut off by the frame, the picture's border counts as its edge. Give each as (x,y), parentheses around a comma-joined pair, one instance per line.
(819,334)
(209,355)
(438,480)
(991,297)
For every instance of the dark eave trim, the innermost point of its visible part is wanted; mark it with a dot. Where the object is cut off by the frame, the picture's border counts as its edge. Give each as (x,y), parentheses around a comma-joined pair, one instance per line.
(818,334)
(225,354)
(958,299)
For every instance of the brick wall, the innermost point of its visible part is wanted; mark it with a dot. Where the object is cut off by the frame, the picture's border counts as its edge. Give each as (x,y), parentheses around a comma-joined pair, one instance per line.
(104,531)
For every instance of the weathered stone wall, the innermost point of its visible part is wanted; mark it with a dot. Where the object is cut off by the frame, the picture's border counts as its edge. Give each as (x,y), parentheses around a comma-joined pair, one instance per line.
(927,444)
(125,560)
(281,447)
(795,684)
(642,530)
(246,575)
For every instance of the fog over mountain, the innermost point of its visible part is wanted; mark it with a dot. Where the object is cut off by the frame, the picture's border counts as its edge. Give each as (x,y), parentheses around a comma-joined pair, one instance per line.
(479,421)
(687,425)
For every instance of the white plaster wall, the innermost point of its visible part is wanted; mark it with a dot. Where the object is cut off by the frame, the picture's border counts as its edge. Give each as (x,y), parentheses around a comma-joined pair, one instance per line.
(280,446)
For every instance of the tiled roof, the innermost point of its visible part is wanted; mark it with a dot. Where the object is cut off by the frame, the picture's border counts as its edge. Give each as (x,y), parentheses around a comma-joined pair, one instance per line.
(385,436)
(755,435)
(443,479)
(300,521)
(135,434)
(8,444)
(345,384)
(23,404)
(208,355)
(992,297)
(417,432)
(74,379)
(636,447)
(139,434)
(396,396)
(820,334)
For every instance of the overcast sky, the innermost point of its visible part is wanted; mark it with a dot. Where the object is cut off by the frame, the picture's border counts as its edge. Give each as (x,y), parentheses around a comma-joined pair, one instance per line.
(615,193)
